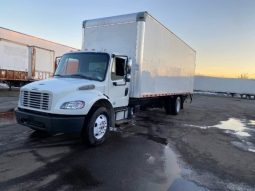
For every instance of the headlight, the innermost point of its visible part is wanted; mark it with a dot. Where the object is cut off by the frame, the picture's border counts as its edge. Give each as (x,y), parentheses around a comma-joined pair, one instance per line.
(73,105)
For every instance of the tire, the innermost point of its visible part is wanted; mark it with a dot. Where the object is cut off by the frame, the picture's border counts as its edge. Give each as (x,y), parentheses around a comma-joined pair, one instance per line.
(96,130)
(182,102)
(167,106)
(177,105)
(173,105)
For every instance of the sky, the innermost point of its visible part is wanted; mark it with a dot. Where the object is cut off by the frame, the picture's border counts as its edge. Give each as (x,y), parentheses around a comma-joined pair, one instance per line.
(221,31)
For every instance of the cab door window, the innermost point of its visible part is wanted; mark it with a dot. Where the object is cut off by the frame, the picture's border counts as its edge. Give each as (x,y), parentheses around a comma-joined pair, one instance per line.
(118,69)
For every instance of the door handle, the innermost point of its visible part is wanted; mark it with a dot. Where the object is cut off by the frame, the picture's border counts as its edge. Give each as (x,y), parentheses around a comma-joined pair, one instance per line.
(126,91)
(118,84)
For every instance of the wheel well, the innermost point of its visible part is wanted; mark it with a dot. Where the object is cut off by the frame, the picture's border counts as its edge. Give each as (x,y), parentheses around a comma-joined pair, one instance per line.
(104,103)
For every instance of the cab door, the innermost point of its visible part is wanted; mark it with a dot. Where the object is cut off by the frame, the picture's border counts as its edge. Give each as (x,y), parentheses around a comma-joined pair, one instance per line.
(118,85)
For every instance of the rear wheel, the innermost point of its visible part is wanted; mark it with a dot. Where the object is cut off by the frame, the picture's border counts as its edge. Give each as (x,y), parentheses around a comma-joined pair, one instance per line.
(173,105)
(177,105)
(167,106)
(96,129)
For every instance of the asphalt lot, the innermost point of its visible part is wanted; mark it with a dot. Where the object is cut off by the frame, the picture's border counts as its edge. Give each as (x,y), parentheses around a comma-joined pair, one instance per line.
(209,146)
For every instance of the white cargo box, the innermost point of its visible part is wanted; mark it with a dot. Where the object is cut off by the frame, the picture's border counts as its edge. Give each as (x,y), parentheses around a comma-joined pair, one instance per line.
(14,56)
(27,58)
(43,61)
(163,64)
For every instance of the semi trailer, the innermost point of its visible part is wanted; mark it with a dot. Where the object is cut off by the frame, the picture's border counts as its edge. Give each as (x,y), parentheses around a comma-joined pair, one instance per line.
(25,58)
(245,88)
(126,62)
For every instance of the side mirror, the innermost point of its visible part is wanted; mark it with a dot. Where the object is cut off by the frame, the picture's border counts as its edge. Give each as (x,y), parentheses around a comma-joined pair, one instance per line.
(57,60)
(128,72)
(128,77)
(129,64)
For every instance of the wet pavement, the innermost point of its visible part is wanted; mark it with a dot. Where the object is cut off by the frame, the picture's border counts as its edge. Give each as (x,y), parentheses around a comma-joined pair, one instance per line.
(243,129)
(8,99)
(209,146)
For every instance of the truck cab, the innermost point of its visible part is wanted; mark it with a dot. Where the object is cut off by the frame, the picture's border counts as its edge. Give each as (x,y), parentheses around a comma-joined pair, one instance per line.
(89,89)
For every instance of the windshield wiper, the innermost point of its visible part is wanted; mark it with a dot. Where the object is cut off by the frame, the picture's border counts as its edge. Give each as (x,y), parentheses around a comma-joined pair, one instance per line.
(57,75)
(82,76)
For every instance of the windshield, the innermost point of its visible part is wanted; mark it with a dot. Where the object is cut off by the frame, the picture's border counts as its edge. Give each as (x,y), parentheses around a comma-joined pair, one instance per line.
(92,66)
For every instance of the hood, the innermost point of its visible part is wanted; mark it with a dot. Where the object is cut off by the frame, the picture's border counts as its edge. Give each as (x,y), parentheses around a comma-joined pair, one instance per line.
(62,85)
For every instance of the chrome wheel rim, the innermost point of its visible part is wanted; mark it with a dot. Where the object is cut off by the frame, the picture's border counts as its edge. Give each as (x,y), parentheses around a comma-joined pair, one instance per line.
(178,104)
(100,126)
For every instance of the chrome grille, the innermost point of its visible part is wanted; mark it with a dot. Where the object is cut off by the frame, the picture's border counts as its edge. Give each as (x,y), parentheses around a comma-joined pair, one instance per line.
(36,100)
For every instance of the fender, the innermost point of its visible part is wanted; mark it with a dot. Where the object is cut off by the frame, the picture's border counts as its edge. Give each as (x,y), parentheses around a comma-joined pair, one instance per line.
(107,104)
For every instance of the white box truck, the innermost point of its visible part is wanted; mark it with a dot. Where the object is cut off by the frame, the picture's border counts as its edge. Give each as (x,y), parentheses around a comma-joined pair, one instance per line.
(25,58)
(126,61)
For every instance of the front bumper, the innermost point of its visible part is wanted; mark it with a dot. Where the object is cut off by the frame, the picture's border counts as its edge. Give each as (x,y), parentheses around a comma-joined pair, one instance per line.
(51,123)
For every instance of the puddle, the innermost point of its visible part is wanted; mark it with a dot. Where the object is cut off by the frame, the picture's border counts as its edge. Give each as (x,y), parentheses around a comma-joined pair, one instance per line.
(79,177)
(181,185)
(244,145)
(235,125)
(173,170)
(150,159)
(251,150)
(239,127)
(232,125)
(7,118)
(197,126)
(155,138)
(252,122)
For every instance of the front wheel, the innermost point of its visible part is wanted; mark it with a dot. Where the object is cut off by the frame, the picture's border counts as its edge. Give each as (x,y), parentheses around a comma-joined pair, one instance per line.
(96,129)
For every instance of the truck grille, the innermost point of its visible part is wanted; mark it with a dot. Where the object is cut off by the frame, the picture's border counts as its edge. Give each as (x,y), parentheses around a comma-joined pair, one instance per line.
(36,100)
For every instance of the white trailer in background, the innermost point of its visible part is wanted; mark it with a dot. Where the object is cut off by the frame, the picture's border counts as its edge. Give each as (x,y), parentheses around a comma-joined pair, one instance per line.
(25,58)
(126,61)
(232,86)
(14,60)
(43,63)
